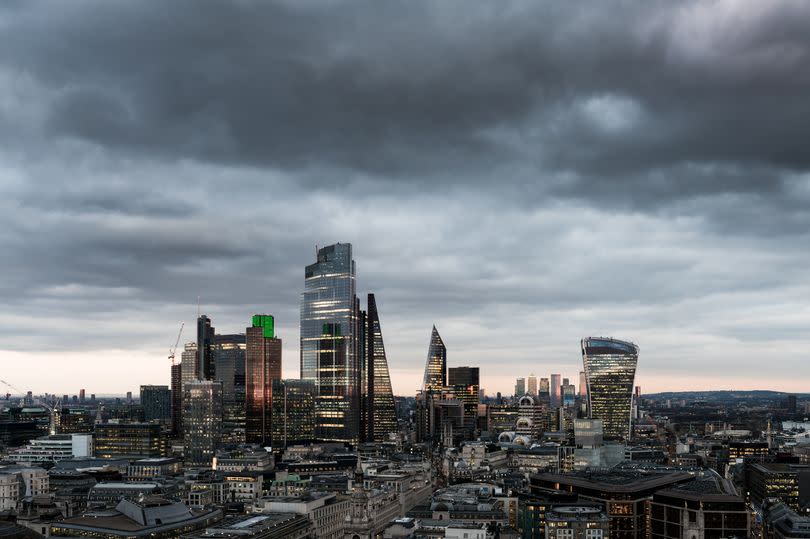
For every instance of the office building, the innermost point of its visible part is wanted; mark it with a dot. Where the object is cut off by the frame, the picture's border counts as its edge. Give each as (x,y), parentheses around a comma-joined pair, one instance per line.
(583,385)
(145,516)
(129,440)
(436,364)
(329,343)
(577,521)
(463,376)
(533,508)
(188,370)
(532,387)
(555,390)
(202,421)
(520,387)
(533,417)
(157,404)
(624,492)
(787,483)
(51,449)
(699,509)
(81,396)
(293,412)
(177,399)
(228,353)
(379,397)
(569,394)
(464,383)
(610,370)
(262,366)
(543,388)
(205,345)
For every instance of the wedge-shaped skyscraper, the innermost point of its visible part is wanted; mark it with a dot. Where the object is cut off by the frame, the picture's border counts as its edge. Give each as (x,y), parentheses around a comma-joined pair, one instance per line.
(610,370)
(381,409)
(436,366)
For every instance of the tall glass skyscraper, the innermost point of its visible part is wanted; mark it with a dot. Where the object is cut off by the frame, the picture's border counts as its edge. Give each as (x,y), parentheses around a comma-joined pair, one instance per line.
(382,410)
(555,392)
(610,369)
(262,366)
(205,343)
(329,345)
(436,365)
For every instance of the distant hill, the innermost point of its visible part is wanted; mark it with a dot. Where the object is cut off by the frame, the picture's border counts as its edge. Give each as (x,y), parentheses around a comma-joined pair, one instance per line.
(725,394)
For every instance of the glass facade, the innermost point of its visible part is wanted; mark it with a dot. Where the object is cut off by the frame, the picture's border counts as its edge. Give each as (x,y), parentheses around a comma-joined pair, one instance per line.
(382,413)
(205,344)
(262,366)
(436,365)
(177,399)
(129,440)
(229,365)
(610,370)
(555,390)
(329,346)
(156,402)
(202,421)
(293,411)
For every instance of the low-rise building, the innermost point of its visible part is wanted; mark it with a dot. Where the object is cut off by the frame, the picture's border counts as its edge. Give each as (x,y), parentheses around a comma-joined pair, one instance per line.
(17,482)
(129,440)
(579,521)
(53,448)
(151,517)
(624,492)
(150,469)
(269,526)
(327,512)
(245,459)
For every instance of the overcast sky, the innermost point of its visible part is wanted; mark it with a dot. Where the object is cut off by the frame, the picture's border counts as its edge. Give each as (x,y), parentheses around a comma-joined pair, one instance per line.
(521,174)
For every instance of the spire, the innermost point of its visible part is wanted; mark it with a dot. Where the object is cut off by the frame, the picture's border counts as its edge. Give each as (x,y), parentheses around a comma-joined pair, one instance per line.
(436,364)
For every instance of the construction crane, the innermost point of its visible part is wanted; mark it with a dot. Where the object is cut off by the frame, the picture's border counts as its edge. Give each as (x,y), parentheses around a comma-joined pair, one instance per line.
(173,349)
(53,411)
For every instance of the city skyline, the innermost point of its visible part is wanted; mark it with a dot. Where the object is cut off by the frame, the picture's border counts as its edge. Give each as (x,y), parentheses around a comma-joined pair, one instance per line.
(521,177)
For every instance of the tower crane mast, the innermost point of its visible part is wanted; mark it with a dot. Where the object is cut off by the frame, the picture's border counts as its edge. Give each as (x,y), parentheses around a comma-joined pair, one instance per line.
(173,349)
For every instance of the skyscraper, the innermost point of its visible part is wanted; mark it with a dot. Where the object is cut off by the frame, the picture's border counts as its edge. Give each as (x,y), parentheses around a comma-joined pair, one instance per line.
(293,411)
(532,389)
(189,371)
(228,353)
(520,387)
(543,388)
(554,390)
(156,402)
(465,383)
(177,399)
(329,347)
(381,411)
(583,385)
(205,343)
(262,366)
(436,364)
(202,421)
(610,369)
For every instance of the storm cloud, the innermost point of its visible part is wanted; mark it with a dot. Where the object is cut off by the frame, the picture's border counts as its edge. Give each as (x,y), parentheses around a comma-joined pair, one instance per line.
(521,174)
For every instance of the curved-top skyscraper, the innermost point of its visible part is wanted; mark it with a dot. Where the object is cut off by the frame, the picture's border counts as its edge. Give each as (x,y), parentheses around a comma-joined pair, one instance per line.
(329,343)
(610,370)
(436,365)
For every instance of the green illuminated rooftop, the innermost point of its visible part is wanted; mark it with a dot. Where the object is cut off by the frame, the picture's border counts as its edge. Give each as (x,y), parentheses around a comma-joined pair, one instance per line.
(266,322)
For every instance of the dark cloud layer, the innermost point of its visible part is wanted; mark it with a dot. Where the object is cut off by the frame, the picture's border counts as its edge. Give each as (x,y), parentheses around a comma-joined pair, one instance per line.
(636,167)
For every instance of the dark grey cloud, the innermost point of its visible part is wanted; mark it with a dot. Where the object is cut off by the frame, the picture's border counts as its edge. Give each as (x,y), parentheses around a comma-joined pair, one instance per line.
(520,173)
